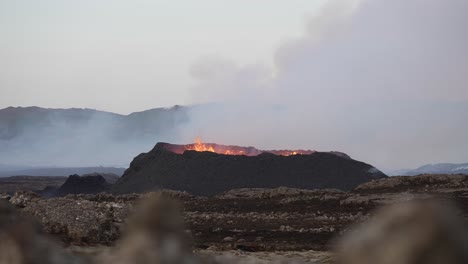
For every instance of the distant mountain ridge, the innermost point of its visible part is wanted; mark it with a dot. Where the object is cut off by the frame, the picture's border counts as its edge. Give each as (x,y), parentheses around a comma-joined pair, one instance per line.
(15,120)
(438,168)
(61,171)
(34,136)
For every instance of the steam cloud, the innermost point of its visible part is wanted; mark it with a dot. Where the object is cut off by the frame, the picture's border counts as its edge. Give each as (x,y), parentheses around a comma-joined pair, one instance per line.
(80,137)
(384,81)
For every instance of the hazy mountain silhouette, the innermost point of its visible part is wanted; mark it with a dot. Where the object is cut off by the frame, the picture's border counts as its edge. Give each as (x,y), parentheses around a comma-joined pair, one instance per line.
(34,136)
(438,168)
(60,171)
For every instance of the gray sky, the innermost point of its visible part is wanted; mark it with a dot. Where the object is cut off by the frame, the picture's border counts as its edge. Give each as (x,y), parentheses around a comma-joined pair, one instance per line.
(125,56)
(382,80)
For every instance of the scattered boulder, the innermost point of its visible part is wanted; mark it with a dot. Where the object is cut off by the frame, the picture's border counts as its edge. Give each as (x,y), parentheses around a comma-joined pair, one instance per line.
(5,196)
(24,198)
(228,239)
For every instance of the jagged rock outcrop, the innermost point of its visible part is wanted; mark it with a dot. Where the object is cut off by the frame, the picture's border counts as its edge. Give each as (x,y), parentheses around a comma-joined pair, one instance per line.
(207,173)
(86,184)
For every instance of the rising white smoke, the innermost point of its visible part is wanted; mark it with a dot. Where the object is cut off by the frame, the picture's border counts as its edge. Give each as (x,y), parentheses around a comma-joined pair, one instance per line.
(384,81)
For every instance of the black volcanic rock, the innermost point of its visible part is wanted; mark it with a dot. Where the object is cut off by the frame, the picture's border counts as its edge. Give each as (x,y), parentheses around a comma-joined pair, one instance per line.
(90,184)
(207,173)
(109,177)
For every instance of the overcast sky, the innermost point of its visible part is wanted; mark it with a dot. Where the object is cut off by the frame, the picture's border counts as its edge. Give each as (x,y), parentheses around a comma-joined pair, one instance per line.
(125,56)
(382,80)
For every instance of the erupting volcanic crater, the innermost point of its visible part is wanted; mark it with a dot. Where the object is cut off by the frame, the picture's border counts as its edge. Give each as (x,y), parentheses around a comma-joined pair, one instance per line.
(210,169)
(230,150)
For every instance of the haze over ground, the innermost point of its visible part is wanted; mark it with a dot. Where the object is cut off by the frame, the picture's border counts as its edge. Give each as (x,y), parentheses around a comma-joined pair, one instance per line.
(384,81)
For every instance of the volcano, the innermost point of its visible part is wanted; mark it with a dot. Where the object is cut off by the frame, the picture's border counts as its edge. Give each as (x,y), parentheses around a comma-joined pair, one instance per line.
(210,169)
(230,150)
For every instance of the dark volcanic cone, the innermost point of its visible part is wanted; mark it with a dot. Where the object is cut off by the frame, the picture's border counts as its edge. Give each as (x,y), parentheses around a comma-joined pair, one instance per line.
(208,173)
(86,184)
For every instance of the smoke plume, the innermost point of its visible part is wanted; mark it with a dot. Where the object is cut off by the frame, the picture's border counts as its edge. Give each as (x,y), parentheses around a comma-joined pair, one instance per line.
(384,81)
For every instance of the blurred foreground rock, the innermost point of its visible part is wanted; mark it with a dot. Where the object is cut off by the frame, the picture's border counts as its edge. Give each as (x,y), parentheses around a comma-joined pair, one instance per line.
(22,241)
(155,234)
(417,232)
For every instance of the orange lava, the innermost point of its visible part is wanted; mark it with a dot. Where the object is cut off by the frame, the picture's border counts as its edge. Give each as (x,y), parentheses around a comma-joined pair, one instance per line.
(236,150)
(220,149)
(199,146)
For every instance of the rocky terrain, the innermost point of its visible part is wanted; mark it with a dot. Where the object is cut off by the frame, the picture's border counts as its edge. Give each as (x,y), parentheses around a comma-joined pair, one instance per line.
(29,183)
(284,219)
(208,173)
(257,225)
